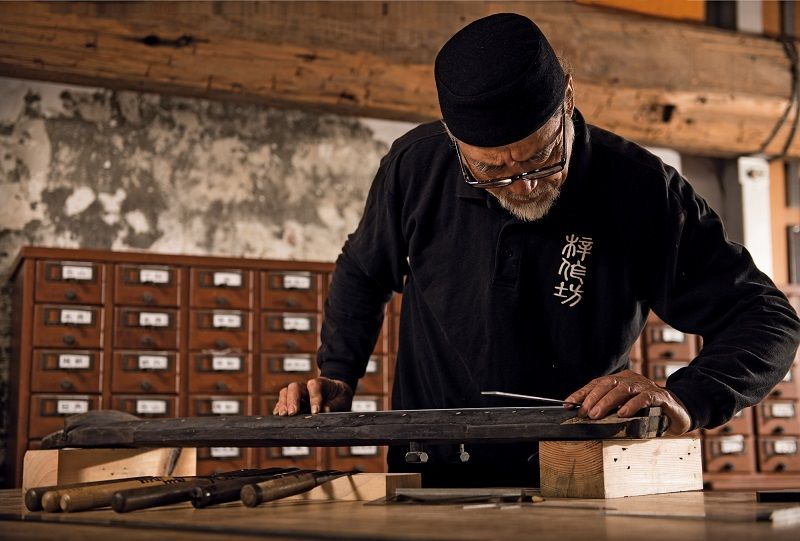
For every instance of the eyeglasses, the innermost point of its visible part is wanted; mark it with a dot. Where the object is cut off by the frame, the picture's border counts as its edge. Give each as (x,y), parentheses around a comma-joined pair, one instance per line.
(536,174)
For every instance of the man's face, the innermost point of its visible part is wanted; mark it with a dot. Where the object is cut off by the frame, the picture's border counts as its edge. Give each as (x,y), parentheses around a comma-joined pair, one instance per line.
(527,200)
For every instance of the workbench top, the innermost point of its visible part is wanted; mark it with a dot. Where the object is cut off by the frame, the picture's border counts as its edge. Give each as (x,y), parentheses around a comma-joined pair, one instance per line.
(686,516)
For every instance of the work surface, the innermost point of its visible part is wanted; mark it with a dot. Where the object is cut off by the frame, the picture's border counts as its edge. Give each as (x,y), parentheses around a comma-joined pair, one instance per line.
(685,516)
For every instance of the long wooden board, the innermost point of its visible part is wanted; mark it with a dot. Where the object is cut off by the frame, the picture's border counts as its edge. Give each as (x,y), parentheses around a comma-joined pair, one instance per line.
(487,425)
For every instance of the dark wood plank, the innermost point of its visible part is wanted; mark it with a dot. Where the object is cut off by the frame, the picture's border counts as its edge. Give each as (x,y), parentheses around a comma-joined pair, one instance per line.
(487,425)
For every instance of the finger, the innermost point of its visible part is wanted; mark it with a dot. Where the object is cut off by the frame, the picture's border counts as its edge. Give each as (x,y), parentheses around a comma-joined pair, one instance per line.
(294,395)
(578,396)
(613,398)
(315,394)
(280,407)
(640,401)
(597,392)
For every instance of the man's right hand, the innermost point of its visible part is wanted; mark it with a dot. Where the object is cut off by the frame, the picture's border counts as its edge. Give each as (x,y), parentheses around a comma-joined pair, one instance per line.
(318,394)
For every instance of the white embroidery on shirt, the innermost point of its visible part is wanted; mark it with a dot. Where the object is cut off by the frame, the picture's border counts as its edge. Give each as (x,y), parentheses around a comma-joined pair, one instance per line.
(572,271)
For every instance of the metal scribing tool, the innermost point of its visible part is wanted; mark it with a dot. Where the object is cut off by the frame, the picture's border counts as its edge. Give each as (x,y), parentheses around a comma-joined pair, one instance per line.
(529,397)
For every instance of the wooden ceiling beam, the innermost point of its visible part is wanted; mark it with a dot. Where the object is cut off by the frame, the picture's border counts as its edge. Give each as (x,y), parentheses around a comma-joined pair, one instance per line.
(679,85)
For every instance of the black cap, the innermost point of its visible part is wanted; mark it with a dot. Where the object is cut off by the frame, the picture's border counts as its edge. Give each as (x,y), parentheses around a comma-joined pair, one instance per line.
(499,80)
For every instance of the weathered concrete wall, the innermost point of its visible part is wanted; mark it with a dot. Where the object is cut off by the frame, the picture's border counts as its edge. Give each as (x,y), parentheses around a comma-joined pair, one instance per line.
(94,168)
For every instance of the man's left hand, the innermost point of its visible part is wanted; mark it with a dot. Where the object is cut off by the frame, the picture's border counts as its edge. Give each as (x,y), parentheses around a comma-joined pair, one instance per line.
(632,392)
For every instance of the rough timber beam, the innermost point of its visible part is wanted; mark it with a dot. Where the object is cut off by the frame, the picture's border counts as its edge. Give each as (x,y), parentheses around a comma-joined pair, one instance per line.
(679,85)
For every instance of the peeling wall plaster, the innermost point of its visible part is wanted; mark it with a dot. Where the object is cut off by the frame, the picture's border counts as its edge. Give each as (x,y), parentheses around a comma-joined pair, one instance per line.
(94,168)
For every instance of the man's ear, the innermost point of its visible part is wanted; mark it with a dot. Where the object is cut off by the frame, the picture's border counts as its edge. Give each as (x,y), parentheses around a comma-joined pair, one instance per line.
(570,96)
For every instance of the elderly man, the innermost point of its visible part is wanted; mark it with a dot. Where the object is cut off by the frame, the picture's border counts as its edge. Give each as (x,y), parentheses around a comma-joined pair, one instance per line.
(529,247)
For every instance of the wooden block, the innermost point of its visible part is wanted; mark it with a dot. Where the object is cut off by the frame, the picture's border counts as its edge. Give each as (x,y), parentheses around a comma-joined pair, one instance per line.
(617,468)
(65,466)
(362,487)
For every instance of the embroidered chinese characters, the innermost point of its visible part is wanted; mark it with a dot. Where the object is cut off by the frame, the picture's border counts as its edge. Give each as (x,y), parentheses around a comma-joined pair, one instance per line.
(572,270)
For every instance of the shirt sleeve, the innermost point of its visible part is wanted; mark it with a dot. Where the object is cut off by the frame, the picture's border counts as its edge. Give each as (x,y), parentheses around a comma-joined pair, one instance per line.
(372,264)
(704,284)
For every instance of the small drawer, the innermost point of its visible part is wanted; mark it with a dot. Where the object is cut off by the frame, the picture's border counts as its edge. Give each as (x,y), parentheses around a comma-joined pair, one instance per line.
(363,458)
(777,416)
(49,411)
(278,371)
(659,371)
(742,423)
(68,326)
(204,405)
(154,407)
(290,290)
(220,373)
(147,285)
(145,372)
(75,371)
(779,454)
(69,281)
(290,332)
(216,460)
(290,457)
(662,342)
(146,328)
(374,381)
(366,404)
(729,454)
(221,288)
(220,330)
(789,387)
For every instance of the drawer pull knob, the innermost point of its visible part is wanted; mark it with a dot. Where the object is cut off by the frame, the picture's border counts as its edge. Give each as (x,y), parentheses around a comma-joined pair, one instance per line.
(727,467)
(780,467)
(221,344)
(291,345)
(148,298)
(145,385)
(70,295)
(221,301)
(777,430)
(69,340)
(220,386)
(292,302)
(65,385)
(147,342)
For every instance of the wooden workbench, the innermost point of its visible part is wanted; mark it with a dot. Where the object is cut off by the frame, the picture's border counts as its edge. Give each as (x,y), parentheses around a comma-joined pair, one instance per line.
(686,516)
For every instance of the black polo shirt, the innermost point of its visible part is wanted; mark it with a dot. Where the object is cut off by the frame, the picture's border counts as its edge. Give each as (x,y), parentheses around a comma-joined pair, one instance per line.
(494,303)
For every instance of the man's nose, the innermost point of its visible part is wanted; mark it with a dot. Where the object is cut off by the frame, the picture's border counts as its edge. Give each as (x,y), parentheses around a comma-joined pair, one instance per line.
(522,187)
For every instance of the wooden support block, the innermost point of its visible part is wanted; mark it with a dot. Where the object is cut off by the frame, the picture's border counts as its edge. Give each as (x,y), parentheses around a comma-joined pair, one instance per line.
(617,468)
(65,466)
(362,487)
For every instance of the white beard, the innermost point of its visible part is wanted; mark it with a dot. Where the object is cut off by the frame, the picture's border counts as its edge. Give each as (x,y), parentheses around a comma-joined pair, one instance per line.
(536,205)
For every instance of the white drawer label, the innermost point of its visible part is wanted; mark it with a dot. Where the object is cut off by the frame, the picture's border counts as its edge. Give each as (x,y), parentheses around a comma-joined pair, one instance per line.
(77,272)
(295,451)
(362,406)
(733,445)
(153,319)
(71,407)
(225,452)
(226,321)
(153,362)
(74,362)
(296,281)
(224,407)
(296,364)
(670,369)
(223,363)
(783,410)
(228,279)
(153,276)
(672,335)
(76,317)
(364,450)
(294,323)
(784,447)
(372,366)
(151,407)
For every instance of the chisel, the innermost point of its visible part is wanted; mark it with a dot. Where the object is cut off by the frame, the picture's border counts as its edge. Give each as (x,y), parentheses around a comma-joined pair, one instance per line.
(228,490)
(286,485)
